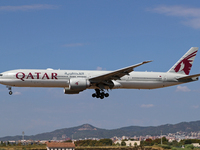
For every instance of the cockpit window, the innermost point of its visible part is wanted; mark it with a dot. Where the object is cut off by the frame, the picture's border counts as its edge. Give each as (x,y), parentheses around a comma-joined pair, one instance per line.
(1,74)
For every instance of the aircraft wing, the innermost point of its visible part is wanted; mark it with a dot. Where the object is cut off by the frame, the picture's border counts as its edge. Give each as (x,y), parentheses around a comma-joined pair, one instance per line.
(117,74)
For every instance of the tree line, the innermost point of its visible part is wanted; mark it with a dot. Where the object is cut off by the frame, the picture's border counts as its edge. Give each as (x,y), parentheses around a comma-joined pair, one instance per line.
(101,142)
(150,142)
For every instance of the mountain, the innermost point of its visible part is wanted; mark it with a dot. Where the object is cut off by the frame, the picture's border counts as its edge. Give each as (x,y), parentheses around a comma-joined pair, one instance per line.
(89,131)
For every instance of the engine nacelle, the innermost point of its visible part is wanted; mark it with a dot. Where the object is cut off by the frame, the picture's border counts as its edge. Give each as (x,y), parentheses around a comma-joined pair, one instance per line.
(116,84)
(77,85)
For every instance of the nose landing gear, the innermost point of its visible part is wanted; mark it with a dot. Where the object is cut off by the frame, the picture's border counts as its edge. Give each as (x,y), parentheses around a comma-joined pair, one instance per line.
(100,94)
(10,90)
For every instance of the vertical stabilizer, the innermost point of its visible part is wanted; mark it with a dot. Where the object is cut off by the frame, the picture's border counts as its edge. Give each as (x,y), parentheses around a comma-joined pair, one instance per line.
(184,65)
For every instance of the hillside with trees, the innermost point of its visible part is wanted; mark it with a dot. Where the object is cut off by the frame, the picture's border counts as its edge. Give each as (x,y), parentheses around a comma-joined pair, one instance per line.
(89,131)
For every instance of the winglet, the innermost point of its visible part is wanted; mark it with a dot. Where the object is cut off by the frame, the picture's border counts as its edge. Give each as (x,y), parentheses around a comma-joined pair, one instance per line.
(144,62)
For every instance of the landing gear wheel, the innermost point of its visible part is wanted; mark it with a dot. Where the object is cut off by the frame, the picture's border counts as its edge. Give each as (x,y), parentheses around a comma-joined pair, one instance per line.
(106,95)
(10,92)
(94,95)
(100,94)
(97,96)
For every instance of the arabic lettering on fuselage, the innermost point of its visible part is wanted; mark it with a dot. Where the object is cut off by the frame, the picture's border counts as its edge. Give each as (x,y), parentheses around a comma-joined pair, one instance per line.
(74,73)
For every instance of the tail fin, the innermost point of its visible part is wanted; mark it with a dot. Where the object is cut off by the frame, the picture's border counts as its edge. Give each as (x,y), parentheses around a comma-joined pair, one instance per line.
(184,65)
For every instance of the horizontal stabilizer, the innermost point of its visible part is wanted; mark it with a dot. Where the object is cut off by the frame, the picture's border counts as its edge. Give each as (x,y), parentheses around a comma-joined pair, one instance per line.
(189,77)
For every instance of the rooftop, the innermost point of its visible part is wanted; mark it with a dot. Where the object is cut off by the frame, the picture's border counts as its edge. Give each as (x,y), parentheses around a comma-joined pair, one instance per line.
(60,145)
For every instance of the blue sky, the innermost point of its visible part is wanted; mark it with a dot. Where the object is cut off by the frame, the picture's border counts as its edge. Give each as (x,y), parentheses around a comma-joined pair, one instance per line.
(91,35)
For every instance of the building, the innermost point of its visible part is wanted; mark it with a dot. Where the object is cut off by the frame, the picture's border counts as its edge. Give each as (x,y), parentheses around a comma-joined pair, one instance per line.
(60,146)
(129,143)
(196,144)
(132,143)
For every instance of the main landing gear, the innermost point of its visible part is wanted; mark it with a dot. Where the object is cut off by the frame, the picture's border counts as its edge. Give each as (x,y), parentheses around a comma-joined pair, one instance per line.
(100,94)
(10,90)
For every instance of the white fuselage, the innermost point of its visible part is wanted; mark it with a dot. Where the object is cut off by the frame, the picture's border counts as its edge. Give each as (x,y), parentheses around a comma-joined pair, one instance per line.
(76,81)
(60,78)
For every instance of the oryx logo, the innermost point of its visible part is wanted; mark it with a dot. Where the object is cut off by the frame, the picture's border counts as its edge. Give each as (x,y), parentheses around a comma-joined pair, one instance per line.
(185,64)
(76,83)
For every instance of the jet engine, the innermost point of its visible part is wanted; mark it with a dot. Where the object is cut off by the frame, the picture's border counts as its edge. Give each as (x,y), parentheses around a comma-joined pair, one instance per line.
(77,85)
(116,84)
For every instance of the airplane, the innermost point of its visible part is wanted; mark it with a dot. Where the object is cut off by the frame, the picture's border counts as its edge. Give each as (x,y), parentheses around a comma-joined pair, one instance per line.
(76,81)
